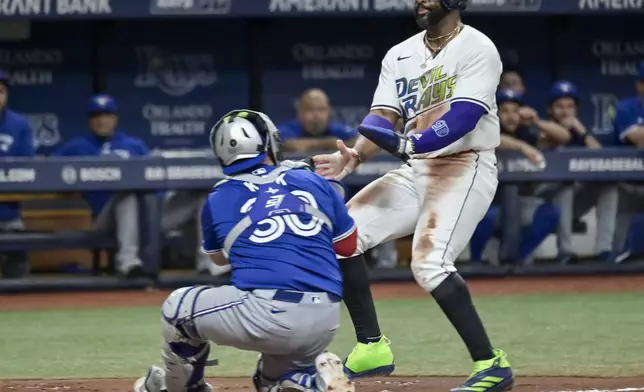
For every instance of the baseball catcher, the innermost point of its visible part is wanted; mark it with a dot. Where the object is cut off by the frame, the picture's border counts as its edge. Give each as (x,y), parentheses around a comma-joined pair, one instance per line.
(441,82)
(279,225)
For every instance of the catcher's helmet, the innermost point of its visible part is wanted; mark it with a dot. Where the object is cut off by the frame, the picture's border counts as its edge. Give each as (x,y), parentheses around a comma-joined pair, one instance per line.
(454,5)
(563,89)
(242,139)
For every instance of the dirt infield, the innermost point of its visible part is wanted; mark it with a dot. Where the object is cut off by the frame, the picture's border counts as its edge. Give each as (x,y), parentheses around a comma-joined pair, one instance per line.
(381,291)
(507,286)
(390,384)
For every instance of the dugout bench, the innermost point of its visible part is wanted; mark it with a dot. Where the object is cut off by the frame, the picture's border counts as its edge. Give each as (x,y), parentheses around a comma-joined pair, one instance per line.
(42,231)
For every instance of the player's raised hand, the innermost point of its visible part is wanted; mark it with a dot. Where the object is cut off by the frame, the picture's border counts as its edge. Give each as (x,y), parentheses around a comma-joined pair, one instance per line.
(337,165)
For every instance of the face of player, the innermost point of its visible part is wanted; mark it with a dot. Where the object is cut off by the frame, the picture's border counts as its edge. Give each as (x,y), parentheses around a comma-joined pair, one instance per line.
(563,108)
(429,12)
(509,116)
(103,124)
(3,96)
(314,114)
(513,81)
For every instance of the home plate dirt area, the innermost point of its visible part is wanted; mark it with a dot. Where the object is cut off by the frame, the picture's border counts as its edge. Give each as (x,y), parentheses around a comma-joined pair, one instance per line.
(389,384)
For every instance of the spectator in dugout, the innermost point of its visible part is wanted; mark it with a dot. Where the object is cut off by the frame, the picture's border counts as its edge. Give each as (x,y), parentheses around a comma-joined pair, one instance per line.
(16,140)
(538,218)
(574,200)
(511,79)
(313,129)
(119,212)
(629,132)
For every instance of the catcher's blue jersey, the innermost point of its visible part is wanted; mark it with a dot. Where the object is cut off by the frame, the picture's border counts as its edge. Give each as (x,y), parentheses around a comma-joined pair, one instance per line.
(284,247)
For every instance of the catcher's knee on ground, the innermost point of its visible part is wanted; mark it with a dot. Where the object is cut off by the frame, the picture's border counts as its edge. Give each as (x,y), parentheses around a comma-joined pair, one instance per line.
(184,353)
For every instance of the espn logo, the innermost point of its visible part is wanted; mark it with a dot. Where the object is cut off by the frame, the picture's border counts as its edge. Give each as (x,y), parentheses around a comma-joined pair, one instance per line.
(185,4)
(190,7)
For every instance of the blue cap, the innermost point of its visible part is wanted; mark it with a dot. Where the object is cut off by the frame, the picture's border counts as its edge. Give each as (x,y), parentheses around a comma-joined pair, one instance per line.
(640,74)
(563,89)
(4,78)
(101,103)
(507,95)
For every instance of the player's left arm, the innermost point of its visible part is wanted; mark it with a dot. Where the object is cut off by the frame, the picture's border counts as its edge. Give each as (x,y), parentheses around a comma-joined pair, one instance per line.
(211,244)
(345,233)
(472,98)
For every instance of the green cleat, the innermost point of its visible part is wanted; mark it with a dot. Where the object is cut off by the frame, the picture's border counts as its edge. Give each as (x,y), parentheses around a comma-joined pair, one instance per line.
(370,360)
(491,375)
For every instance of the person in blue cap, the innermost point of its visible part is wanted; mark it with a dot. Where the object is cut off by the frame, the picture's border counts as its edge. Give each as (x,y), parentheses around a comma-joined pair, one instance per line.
(629,132)
(119,212)
(16,140)
(538,217)
(574,200)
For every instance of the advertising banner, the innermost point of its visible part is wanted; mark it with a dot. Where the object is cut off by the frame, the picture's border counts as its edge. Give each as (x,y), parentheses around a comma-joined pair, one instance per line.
(50,80)
(603,65)
(127,9)
(173,80)
(322,55)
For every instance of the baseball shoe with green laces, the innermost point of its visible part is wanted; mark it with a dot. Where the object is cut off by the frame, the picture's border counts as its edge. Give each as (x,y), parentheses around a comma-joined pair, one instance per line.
(490,375)
(370,360)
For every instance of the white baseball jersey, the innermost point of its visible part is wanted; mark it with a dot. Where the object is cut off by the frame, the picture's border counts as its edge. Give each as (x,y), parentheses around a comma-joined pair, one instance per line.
(420,87)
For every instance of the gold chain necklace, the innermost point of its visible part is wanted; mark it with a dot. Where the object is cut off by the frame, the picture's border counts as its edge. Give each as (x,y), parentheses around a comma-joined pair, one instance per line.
(449,36)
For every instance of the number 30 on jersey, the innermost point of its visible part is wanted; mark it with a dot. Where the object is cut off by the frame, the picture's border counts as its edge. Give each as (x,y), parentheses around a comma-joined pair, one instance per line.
(273,228)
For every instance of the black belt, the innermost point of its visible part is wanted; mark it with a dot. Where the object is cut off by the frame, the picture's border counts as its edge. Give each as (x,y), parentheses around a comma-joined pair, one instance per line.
(295,297)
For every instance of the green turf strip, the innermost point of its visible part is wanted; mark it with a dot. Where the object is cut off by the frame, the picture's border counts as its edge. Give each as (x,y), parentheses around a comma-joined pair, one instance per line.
(591,334)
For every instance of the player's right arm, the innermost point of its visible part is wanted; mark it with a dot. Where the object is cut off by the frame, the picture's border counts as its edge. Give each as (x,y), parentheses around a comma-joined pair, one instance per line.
(385,112)
(211,243)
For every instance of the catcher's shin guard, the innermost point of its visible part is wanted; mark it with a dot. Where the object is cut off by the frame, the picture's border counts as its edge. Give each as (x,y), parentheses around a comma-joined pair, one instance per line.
(185,366)
(184,353)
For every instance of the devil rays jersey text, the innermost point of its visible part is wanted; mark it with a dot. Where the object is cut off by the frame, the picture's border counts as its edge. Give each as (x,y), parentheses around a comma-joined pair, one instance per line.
(420,87)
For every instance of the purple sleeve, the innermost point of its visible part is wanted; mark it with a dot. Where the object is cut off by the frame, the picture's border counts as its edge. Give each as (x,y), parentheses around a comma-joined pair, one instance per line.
(453,125)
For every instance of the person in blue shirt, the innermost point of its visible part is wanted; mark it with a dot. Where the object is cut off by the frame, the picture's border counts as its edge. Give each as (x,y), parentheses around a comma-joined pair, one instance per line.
(16,140)
(628,126)
(279,225)
(119,212)
(629,116)
(112,212)
(574,200)
(313,129)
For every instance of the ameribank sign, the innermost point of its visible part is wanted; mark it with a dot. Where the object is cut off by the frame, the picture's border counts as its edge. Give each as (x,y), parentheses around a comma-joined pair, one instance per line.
(54,7)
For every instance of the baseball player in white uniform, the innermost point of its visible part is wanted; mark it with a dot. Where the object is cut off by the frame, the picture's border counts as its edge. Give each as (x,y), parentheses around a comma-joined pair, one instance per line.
(442,84)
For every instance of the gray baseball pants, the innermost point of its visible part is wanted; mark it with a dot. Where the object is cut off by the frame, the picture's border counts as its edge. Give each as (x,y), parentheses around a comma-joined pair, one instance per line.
(121,215)
(290,329)
(574,201)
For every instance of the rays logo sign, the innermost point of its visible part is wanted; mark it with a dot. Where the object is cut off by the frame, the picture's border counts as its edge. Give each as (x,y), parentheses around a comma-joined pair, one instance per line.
(175,74)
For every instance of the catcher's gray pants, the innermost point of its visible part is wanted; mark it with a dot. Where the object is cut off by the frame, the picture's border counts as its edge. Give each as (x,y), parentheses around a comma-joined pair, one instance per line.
(574,201)
(631,202)
(14,264)
(121,215)
(290,329)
